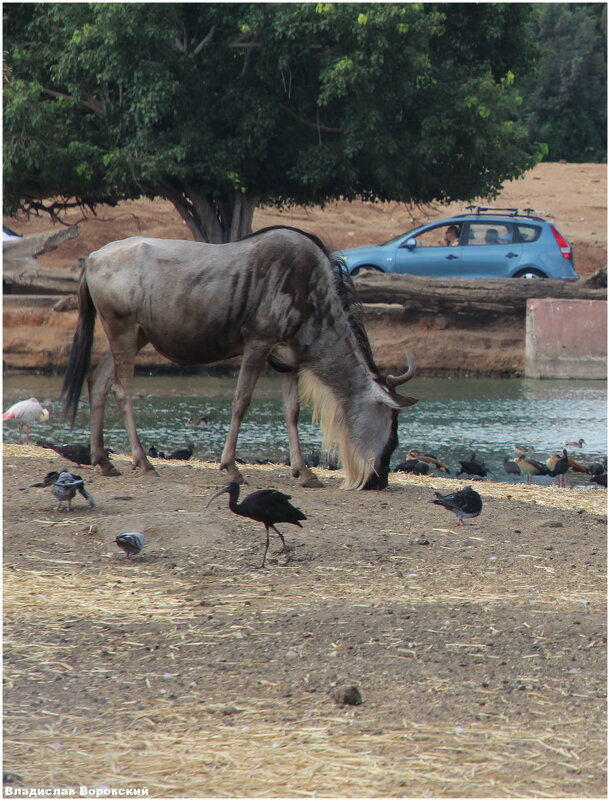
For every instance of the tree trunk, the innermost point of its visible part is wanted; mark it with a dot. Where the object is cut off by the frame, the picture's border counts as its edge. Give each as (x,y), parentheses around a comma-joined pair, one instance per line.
(213,220)
(467,296)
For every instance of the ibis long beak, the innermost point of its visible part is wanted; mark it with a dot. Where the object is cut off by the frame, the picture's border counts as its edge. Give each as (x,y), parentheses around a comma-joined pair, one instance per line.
(217,494)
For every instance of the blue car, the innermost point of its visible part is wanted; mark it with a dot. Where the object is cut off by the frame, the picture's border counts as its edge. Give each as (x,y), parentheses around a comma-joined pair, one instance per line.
(487,243)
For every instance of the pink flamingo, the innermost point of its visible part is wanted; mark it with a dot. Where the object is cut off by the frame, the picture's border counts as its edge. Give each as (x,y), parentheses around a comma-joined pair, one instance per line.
(27,412)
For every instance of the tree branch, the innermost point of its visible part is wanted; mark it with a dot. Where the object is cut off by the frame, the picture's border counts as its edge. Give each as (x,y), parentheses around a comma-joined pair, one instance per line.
(315,125)
(92,105)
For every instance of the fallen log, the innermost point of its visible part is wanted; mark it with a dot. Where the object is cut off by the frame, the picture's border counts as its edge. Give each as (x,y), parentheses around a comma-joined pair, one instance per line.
(25,277)
(507,296)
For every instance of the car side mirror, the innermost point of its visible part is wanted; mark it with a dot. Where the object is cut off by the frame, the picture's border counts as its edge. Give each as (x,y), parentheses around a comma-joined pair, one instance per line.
(411,243)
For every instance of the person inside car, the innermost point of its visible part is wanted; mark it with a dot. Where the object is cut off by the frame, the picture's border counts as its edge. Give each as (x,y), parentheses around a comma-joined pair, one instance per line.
(452,235)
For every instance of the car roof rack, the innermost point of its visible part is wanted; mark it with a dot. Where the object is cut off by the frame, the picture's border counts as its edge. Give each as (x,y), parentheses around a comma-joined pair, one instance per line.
(494,210)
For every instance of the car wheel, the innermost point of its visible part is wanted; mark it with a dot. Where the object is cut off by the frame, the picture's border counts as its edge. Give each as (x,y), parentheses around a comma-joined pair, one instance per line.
(529,273)
(366,268)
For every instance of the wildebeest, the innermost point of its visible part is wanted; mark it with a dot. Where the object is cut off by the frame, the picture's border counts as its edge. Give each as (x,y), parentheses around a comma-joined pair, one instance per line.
(274,297)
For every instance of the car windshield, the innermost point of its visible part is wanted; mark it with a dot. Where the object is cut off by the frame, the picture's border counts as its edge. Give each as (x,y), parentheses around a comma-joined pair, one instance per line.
(396,239)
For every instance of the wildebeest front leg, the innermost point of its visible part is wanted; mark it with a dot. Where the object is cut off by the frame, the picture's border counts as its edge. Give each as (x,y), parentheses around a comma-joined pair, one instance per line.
(126,342)
(253,361)
(290,400)
(99,383)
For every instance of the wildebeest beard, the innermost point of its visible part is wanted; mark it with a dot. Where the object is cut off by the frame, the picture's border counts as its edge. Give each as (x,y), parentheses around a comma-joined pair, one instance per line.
(379,478)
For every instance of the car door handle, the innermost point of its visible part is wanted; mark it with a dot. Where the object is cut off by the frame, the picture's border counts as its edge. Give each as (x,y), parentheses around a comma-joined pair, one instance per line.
(451,256)
(511,255)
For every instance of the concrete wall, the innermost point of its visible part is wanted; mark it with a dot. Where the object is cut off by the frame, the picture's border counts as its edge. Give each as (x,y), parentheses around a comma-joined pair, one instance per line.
(566,338)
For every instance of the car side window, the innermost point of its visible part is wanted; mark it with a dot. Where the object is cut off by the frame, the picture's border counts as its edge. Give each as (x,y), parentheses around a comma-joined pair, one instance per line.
(490,233)
(437,237)
(528,233)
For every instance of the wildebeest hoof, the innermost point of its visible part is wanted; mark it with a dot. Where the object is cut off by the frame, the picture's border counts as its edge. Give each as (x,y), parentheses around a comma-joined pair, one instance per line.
(110,470)
(312,483)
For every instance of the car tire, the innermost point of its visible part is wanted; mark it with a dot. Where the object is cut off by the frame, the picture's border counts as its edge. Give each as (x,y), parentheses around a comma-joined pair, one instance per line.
(365,267)
(529,273)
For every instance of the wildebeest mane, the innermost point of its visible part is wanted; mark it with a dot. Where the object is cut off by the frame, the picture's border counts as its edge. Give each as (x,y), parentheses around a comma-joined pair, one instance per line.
(344,287)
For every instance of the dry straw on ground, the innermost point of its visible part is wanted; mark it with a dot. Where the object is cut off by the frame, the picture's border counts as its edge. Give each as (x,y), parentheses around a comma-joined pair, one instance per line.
(168,724)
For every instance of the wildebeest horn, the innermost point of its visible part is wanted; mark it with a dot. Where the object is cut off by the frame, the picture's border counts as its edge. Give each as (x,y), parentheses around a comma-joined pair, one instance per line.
(394,380)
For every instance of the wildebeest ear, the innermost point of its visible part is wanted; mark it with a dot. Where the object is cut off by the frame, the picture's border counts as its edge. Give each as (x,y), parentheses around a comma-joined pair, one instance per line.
(392,399)
(404,400)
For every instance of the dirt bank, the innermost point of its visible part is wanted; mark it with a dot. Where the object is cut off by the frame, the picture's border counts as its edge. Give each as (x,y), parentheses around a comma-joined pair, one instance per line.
(479,652)
(574,195)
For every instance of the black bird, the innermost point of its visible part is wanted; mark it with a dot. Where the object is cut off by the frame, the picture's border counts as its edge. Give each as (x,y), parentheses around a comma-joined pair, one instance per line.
(602,479)
(79,454)
(65,488)
(184,454)
(267,506)
(596,469)
(415,466)
(473,467)
(49,479)
(313,459)
(152,451)
(463,503)
(511,467)
(131,542)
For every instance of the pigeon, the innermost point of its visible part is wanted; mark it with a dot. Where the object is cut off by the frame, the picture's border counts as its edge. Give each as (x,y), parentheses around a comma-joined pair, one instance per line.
(463,503)
(131,542)
(65,488)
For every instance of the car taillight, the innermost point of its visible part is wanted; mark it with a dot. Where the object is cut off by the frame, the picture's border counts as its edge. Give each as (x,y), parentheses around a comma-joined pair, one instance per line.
(562,242)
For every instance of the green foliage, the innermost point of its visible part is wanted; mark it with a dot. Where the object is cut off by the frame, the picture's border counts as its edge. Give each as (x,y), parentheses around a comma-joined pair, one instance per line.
(566,96)
(276,103)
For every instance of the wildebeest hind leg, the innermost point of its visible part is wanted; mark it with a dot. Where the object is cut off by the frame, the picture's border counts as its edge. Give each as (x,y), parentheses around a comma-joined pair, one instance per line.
(253,361)
(290,400)
(125,343)
(99,383)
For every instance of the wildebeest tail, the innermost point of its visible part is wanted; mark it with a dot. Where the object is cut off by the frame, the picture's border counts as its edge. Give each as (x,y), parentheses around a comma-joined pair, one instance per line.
(80,355)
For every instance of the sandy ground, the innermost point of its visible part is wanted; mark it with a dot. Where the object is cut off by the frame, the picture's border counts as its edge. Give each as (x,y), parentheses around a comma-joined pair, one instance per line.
(574,195)
(479,653)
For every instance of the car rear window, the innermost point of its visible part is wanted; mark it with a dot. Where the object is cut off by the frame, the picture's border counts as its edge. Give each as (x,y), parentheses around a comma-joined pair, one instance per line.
(528,233)
(490,233)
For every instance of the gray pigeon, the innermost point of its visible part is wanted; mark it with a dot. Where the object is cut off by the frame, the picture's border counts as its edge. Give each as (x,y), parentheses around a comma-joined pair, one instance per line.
(463,503)
(65,488)
(131,542)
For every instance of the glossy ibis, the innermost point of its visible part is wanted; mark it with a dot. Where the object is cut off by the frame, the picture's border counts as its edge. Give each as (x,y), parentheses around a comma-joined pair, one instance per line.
(183,454)
(414,466)
(266,506)
(473,467)
(463,503)
(26,412)
(79,454)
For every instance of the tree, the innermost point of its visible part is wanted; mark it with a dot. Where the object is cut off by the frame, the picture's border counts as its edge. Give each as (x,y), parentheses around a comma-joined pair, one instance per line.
(221,107)
(566,96)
